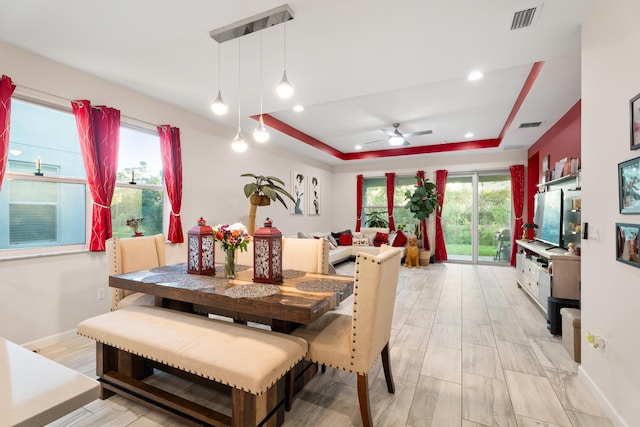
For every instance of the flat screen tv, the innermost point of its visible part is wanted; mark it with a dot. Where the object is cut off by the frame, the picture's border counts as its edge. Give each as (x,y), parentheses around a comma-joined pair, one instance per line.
(548,217)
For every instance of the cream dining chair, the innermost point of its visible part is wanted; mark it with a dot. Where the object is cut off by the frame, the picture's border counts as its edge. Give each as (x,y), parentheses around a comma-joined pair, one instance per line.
(132,254)
(353,342)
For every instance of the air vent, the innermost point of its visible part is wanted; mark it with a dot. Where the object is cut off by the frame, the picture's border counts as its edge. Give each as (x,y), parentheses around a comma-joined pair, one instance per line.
(529,125)
(523,18)
(513,147)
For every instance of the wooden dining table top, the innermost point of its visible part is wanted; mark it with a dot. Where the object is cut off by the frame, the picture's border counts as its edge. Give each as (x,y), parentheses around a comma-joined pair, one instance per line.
(299,300)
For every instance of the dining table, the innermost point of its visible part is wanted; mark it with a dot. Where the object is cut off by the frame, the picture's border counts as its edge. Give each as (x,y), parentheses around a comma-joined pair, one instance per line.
(300,299)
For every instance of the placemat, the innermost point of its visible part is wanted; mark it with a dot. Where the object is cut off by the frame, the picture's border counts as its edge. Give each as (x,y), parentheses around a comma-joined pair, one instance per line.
(187,281)
(323,285)
(293,274)
(220,268)
(251,291)
(178,268)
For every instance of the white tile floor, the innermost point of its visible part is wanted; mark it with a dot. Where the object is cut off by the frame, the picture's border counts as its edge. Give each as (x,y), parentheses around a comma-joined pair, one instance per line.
(468,348)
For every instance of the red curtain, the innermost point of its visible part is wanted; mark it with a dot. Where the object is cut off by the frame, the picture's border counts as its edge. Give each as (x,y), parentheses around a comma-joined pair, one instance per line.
(172,165)
(6,89)
(517,195)
(391,185)
(359,185)
(441,185)
(423,223)
(99,132)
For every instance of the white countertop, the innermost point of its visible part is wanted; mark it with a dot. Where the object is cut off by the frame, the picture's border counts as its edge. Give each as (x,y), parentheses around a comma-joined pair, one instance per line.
(35,390)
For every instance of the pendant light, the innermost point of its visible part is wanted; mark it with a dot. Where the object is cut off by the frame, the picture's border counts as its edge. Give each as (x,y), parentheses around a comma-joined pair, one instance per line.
(239,145)
(261,134)
(284,89)
(219,107)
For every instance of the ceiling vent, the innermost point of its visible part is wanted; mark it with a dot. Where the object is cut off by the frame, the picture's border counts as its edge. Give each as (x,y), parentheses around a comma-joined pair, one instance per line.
(523,18)
(513,147)
(529,125)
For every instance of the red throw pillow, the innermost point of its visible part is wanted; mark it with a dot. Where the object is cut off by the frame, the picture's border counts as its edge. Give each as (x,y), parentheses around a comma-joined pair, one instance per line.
(381,238)
(400,239)
(346,239)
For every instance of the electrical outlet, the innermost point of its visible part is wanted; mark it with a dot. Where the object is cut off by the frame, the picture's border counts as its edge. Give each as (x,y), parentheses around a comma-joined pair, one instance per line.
(100,293)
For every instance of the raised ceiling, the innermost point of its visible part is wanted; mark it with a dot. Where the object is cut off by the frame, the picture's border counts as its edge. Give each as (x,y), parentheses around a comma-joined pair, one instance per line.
(357,66)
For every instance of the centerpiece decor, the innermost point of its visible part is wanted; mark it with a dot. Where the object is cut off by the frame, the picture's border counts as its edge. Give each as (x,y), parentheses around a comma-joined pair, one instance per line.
(134,223)
(267,254)
(232,238)
(201,249)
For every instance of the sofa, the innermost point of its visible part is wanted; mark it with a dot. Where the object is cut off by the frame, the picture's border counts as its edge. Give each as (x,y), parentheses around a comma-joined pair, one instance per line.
(362,241)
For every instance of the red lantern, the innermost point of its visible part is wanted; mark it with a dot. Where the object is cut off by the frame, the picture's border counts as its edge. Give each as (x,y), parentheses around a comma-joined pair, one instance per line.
(201,258)
(267,254)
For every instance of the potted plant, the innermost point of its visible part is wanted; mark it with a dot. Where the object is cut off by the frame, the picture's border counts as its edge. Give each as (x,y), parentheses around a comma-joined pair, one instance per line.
(422,202)
(376,220)
(525,229)
(261,193)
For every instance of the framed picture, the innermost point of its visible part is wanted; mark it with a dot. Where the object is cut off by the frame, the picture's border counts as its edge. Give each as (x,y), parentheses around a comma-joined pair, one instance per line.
(627,243)
(298,192)
(313,195)
(634,106)
(629,186)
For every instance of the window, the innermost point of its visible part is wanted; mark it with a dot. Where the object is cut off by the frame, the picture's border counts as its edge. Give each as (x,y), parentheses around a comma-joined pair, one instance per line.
(54,209)
(374,194)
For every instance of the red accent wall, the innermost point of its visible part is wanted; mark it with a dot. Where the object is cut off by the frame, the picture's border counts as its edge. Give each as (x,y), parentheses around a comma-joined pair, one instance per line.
(562,140)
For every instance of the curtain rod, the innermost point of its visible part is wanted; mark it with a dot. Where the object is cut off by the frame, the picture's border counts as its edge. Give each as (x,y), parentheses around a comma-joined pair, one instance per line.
(39,96)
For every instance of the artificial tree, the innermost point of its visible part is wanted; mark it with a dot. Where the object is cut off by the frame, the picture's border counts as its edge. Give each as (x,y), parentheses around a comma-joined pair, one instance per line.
(261,193)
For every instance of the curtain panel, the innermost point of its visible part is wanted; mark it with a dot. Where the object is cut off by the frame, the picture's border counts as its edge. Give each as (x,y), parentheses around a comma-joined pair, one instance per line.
(359,186)
(517,196)
(99,133)
(172,166)
(6,90)
(423,222)
(441,185)
(391,186)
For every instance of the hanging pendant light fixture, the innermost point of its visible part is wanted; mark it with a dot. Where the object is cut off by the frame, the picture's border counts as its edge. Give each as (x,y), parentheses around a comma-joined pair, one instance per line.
(218,106)
(239,145)
(284,89)
(261,134)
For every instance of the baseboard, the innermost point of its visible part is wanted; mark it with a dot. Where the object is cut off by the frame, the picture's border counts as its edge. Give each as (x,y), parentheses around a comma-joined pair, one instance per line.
(50,340)
(607,407)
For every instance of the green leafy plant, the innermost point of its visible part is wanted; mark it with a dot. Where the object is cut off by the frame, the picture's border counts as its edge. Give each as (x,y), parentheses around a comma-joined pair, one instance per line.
(376,220)
(423,200)
(261,192)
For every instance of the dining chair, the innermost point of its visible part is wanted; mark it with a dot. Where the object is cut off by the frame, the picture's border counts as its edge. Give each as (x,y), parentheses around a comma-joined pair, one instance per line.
(309,255)
(353,342)
(125,255)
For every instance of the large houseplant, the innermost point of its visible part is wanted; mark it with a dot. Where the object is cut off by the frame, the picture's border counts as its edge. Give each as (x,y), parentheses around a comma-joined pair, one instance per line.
(261,193)
(376,219)
(422,201)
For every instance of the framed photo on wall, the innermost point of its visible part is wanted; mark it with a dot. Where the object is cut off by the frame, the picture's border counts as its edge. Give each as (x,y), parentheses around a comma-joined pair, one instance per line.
(634,106)
(313,195)
(627,243)
(298,192)
(629,186)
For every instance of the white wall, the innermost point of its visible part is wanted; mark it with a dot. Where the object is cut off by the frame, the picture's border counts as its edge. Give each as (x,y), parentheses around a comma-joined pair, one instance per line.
(45,296)
(610,290)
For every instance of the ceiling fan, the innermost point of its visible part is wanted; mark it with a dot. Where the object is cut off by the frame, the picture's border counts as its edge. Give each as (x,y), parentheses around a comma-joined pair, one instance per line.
(396,138)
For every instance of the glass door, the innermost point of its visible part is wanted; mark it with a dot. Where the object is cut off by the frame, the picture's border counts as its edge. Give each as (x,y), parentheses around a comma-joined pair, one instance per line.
(477,218)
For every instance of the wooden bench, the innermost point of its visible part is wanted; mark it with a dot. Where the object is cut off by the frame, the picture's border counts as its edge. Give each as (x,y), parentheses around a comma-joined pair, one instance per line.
(249,363)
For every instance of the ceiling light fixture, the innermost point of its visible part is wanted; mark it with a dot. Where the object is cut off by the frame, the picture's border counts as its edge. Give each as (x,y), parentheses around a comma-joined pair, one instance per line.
(218,106)
(468,135)
(298,108)
(261,134)
(397,138)
(284,89)
(358,147)
(475,75)
(239,145)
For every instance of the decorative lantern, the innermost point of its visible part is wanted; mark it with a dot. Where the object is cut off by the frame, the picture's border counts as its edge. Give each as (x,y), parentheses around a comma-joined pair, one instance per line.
(201,249)
(267,254)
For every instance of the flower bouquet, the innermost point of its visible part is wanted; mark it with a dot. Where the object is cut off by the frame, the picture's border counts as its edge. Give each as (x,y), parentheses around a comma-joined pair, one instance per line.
(134,223)
(232,237)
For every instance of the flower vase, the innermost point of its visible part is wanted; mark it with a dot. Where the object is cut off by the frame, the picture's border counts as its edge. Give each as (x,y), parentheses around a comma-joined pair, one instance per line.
(230,264)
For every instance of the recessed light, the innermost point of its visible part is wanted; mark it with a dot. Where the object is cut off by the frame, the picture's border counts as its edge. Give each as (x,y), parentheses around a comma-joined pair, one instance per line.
(298,108)
(468,135)
(475,75)
(358,147)
(15,151)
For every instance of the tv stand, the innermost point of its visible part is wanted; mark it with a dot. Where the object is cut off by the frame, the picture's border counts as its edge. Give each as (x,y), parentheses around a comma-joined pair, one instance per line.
(532,273)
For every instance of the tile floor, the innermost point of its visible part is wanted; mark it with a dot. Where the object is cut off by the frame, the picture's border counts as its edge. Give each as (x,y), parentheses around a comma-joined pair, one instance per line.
(468,348)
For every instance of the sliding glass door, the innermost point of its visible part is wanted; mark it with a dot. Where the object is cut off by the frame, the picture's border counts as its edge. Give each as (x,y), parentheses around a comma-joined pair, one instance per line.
(477,217)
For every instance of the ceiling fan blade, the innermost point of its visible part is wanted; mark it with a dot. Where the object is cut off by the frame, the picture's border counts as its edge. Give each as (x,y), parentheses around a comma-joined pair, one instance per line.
(388,131)
(405,143)
(423,132)
(377,140)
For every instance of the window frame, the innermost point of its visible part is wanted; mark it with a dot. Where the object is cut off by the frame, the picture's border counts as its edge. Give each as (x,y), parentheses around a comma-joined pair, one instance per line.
(384,186)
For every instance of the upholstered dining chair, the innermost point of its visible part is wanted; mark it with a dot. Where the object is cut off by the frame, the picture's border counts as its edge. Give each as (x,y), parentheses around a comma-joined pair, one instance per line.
(132,254)
(353,342)
(310,255)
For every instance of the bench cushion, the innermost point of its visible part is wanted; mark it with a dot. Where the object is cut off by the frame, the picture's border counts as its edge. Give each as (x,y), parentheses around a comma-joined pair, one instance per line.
(242,357)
